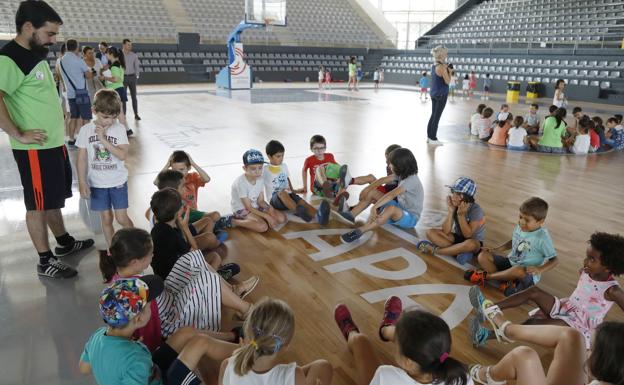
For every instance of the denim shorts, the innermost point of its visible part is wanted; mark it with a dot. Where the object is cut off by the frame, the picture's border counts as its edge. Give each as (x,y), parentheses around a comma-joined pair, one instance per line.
(552,150)
(82,111)
(407,221)
(518,148)
(277,203)
(115,198)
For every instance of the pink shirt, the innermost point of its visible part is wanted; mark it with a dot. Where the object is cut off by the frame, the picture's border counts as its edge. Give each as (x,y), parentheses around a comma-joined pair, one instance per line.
(499,137)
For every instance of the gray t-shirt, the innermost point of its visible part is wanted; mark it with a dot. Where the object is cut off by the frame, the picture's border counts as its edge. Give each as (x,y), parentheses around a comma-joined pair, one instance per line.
(474,214)
(75,68)
(412,199)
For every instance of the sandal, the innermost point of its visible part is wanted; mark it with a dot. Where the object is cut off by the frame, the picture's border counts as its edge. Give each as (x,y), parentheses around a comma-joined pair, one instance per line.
(253,282)
(426,247)
(474,375)
(490,310)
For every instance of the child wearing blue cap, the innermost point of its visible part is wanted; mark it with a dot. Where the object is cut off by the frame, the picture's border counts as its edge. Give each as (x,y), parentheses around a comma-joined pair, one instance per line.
(113,357)
(463,231)
(250,208)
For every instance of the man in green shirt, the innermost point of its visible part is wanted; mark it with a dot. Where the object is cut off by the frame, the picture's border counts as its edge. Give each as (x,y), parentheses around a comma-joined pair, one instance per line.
(31,114)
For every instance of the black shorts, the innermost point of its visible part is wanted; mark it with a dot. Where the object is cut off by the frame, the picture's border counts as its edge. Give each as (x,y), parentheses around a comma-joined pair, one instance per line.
(458,238)
(501,263)
(46,177)
(123,94)
(486,89)
(277,203)
(173,371)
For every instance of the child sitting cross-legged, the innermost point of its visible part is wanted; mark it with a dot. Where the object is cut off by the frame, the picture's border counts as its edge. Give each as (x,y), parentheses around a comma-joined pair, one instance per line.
(473,118)
(193,296)
(499,136)
(463,231)
(172,235)
(532,253)
(585,309)
(279,190)
(582,140)
(250,208)
(405,210)
(423,348)
(268,332)
(114,357)
(517,137)
(483,125)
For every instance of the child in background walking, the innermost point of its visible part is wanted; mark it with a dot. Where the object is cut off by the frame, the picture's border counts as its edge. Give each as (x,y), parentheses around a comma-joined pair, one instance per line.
(487,85)
(424,86)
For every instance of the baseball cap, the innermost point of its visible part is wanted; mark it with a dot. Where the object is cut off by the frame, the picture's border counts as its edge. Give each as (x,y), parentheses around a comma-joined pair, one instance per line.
(127,297)
(252,157)
(464,185)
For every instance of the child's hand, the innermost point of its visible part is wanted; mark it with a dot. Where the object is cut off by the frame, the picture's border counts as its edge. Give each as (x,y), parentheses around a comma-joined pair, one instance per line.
(183,220)
(99,130)
(534,270)
(299,191)
(449,204)
(85,191)
(272,222)
(373,215)
(463,207)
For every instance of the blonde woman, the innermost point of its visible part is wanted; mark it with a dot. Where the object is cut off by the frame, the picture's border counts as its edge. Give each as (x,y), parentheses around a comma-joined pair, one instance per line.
(440,79)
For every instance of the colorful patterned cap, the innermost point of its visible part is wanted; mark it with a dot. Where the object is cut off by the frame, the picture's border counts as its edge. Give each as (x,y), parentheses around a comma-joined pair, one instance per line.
(127,297)
(252,157)
(464,185)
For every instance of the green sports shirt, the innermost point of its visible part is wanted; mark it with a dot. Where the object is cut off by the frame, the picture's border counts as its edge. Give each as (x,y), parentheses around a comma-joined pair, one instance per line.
(30,95)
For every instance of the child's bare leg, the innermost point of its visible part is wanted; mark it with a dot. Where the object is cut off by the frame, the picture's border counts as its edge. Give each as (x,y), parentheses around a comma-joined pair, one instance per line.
(252,222)
(279,216)
(319,372)
(534,294)
(319,175)
(467,246)
(516,272)
(364,356)
(308,207)
(368,190)
(205,224)
(233,301)
(106,217)
(362,205)
(213,259)
(284,196)
(486,261)
(123,219)
(390,212)
(202,345)
(207,240)
(440,238)
(365,179)
(521,364)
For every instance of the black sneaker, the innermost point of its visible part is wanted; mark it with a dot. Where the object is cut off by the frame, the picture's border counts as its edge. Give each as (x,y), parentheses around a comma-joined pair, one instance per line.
(302,213)
(228,271)
(343,174)
(351,236)
(55,269)
(137,117)
(62,251)
(322,214)
(223,223)
(129,132)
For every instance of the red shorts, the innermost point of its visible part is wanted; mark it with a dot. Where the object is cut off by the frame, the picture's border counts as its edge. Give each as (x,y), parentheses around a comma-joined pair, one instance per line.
(382,189)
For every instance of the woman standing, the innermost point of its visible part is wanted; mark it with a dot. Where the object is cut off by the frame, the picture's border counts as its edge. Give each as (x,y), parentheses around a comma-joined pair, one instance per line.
(95,65)
(114,80)
(440,79)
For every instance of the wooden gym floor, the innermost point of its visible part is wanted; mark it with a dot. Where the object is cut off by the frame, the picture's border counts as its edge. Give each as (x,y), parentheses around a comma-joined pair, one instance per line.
(44,324)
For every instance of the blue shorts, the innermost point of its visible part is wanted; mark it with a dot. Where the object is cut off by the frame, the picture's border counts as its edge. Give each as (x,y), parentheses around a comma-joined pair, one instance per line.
(518,148)
(277,203)
(407,221)
(115,198)
(79,111)
(123,94)
(551,150)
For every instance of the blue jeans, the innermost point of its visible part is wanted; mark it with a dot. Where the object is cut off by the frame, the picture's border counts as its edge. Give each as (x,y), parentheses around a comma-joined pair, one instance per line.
(437,106)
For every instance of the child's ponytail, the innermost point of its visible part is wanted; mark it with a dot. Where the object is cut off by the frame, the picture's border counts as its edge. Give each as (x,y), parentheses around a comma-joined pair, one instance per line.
(269,326)
(426,339)
(126,246)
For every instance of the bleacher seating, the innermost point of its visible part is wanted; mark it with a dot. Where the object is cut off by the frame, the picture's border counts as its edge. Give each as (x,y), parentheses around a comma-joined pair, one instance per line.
(536,21)
(319,23)
(145,20)
(519,68)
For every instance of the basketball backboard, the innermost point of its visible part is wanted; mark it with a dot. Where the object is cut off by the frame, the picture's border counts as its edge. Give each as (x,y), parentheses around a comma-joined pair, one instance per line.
(266,12)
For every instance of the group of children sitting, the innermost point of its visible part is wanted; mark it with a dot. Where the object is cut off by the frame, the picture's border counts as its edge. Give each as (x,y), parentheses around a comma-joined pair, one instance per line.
(552,135)
(161,328)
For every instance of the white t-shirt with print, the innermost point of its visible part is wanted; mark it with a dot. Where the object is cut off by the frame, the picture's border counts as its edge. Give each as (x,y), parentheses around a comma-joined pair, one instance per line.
(275,179)
(516,136)
(242,188)
(391,375)
(473,123)
(105,170)
(581,144)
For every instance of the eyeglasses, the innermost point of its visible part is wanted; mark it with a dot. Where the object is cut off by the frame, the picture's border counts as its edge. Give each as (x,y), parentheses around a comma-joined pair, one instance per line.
(318,148)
